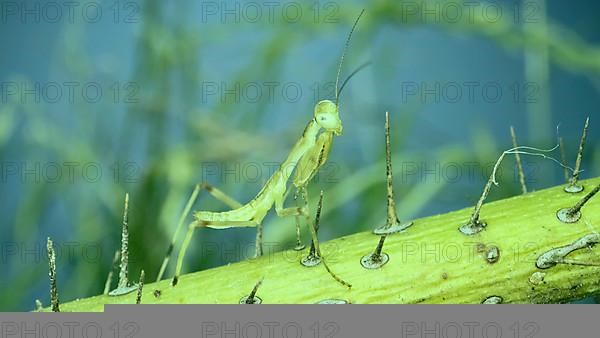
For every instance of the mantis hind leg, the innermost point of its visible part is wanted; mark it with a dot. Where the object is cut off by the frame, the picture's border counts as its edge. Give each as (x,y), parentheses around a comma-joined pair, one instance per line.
(299,245)
(258,241)
(282,212)
(188,238)
(217,194)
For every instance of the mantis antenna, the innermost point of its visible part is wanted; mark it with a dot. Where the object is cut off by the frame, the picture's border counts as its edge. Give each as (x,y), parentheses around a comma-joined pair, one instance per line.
(358,69)
(337,78)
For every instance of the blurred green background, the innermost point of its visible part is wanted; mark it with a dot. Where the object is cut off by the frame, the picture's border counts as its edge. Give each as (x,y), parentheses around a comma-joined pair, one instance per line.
(151,97)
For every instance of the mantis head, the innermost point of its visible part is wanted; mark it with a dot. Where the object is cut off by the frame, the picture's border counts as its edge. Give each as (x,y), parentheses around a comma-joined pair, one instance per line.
(327,116)
(327,112)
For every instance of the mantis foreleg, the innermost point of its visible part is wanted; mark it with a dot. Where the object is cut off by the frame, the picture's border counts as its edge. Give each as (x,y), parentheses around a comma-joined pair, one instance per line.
(308,167)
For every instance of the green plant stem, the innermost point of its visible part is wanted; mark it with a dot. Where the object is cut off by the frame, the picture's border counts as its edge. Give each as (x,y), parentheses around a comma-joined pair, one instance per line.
(432,262)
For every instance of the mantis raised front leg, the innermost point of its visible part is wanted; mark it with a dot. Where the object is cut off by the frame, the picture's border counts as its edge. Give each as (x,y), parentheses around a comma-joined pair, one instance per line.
(307,168)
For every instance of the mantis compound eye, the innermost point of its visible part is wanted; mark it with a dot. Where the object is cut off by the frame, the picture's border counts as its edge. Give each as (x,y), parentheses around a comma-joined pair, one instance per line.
(327,116)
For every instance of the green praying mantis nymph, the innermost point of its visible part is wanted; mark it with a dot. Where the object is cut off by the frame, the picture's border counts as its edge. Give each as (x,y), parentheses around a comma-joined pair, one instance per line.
(306,157)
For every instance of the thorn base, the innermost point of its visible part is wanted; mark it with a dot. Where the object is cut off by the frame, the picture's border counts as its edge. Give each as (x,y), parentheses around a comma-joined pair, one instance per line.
(373,261)
(470,228)
(123,290)
(392,229)
(566,215)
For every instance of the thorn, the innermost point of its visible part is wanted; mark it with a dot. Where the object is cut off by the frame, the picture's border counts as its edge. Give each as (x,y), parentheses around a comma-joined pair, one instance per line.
(563,158)
(52,274)
(313,229)
(124,269)
(573,214)
(518,160)
(252,298)
(393,224)
(557,255)
(376,259)
(476,225)
(138,298)
(123,287)
(573,187)
(108,283)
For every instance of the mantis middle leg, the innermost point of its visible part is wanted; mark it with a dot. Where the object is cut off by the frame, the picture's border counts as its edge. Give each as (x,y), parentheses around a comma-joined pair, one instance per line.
(299,245)
(304,211)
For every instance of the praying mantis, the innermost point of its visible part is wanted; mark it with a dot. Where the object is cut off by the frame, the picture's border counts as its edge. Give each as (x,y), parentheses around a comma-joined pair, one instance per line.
(307,156)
